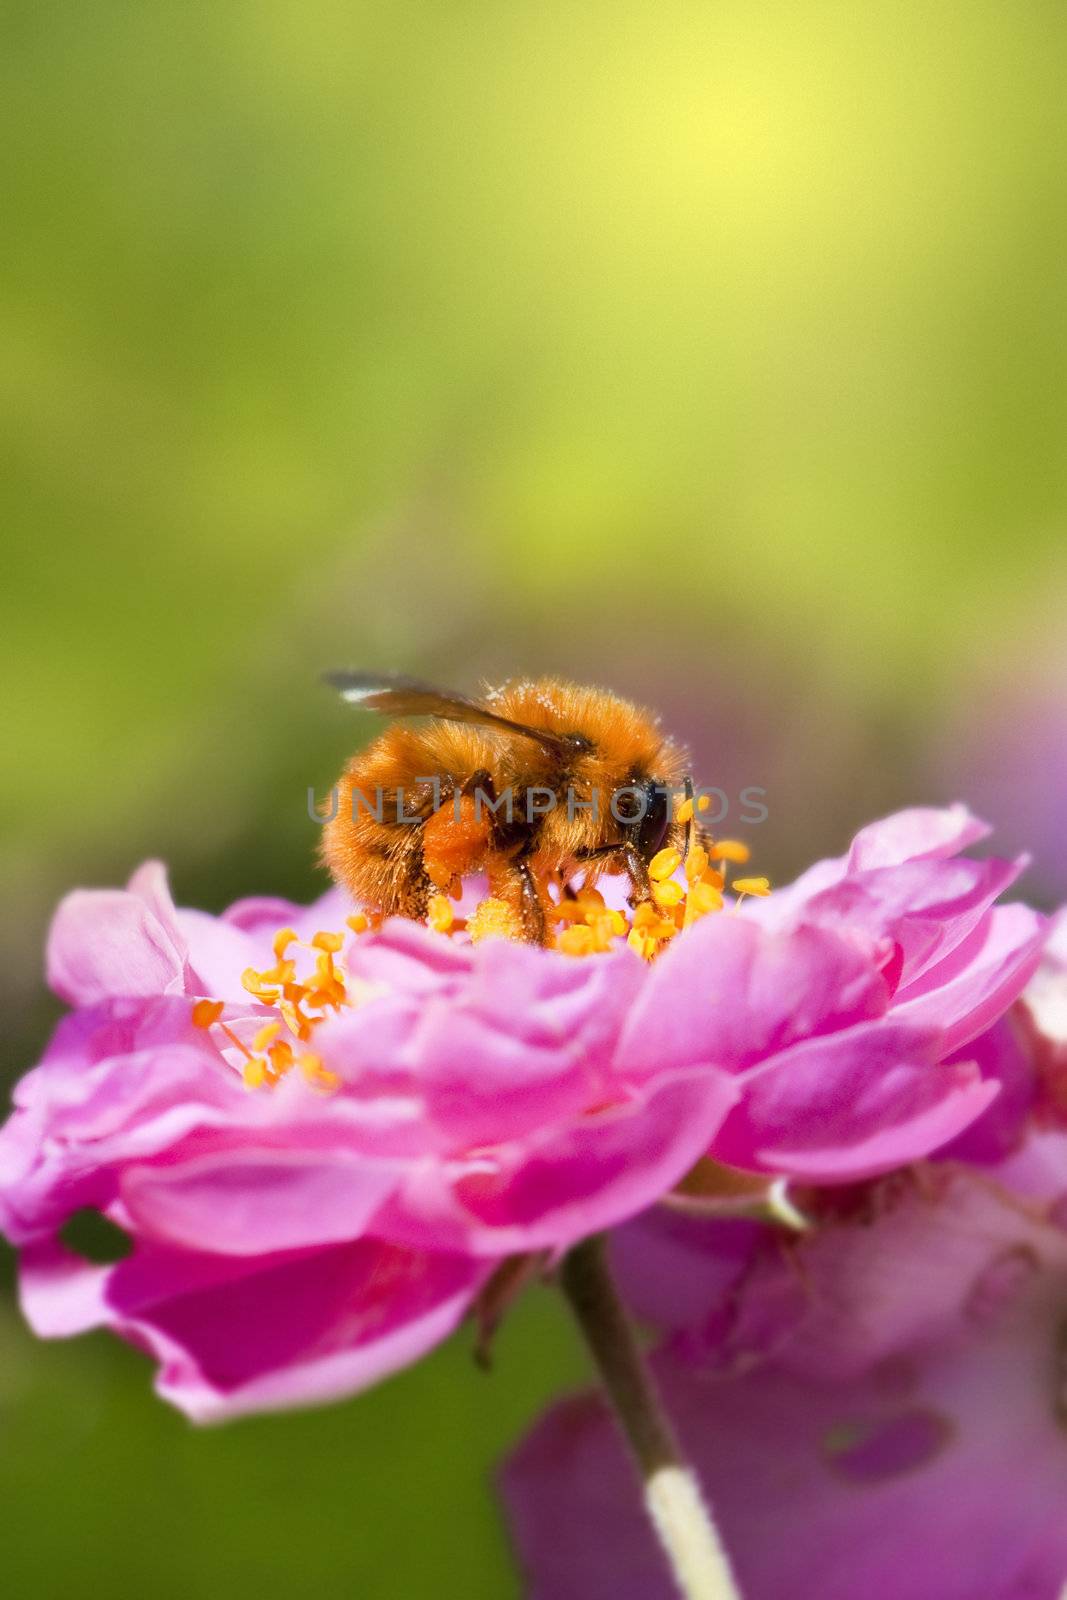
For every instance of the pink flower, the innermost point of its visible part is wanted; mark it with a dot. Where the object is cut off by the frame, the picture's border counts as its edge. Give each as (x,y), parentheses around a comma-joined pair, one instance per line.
(366,1124)
(299,1241)
(882,1414)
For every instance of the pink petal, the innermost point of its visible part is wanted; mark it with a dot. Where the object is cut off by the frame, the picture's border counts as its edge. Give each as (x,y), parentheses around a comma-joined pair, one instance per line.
(263,916)
(528,1040)
(919,834)
(234,1337)
(316,1331)
(60,1293)
(678,1271)
(219,953)
(927,907)
(729,992)
(407,957)
(922,833)
(150,884)
(1000,1057)
(254,1199)
(856,1103)
(568,1181)
(108,942)
(977,982)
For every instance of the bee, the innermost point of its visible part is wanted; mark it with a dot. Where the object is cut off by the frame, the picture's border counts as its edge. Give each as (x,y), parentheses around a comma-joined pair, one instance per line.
(531,784)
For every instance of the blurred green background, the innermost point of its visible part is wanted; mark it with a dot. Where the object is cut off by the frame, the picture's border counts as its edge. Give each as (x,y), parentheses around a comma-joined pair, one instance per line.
(715,351)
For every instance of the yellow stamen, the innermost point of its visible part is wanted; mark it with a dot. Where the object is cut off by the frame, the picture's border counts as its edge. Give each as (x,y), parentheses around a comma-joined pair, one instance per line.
(704,897)
(645,915)
(282,940)
(664,864)
(756,886)
(567,911)
(696,863)
(648,919)
(330,942)
(269,1031)
(254,1072)
(254,982)
(295,1020)
(359,922)
(731,850)
(667,894)
(207,1012)
(282,972)
(685,812)
(281,1056)
(317,1075)
(576,941)
(234,1040)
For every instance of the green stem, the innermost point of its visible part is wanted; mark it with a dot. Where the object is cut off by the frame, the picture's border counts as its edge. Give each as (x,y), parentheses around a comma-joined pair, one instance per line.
(673,1500)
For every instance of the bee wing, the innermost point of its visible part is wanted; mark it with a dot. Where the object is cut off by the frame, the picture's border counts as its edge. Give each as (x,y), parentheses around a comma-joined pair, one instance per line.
(397,696)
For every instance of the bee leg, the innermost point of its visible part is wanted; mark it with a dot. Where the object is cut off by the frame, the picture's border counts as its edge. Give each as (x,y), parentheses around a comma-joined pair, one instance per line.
(637,868)
(534,922)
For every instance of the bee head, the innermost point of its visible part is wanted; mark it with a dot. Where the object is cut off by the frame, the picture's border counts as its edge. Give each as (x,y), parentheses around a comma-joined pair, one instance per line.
(644,811)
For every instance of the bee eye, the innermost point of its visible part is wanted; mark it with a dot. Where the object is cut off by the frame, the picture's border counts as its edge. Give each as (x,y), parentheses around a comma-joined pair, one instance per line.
(656,820)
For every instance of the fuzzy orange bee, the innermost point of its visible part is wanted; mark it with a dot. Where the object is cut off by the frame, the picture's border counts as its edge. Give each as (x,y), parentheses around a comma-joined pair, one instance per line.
(531,784)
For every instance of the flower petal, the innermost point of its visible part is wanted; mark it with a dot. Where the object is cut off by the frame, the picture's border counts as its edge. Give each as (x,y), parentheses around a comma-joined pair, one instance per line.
(569,1181)
(730,992)
(281,1331)
(851,1105)
(109,942)
(979,979)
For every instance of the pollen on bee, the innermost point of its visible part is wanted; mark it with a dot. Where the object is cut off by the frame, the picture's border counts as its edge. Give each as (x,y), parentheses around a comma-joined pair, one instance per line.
(494,918)
(440,915)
